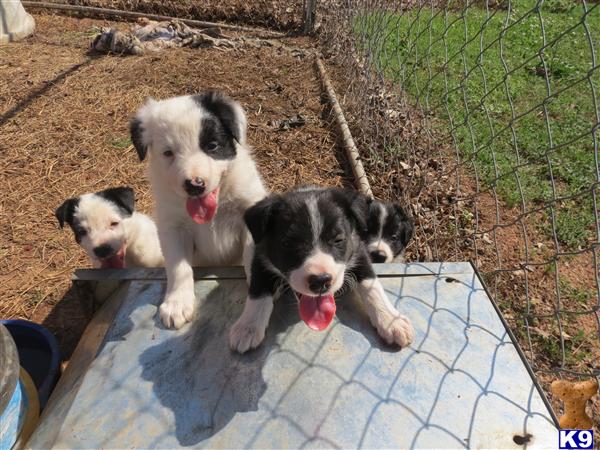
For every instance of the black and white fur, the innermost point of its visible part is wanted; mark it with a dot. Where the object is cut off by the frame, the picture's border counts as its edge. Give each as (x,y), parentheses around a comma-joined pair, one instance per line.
(105,223)
(389,229)
(199,140)
(310,240)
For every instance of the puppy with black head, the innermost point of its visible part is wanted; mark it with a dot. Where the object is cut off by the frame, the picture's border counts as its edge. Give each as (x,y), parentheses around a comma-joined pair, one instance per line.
(389,229)
(310,240)
(203,178)
(109,230)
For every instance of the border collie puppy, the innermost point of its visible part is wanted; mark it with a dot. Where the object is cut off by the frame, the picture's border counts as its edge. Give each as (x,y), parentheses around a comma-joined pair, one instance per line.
(112,234)
(310,241)
(203,178)
(389,229)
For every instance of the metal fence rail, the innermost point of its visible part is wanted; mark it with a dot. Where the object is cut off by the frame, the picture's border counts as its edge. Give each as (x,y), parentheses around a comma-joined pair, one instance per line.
(273,14)
(484,116)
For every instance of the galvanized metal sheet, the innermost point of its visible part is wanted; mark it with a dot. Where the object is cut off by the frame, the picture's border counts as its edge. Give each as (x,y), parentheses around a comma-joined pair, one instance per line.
(461,384)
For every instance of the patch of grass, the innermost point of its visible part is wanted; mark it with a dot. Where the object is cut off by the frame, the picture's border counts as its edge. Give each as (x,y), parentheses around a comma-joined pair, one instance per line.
(121,142)
(576,347)
(582,296)
(89,33)
(515,89)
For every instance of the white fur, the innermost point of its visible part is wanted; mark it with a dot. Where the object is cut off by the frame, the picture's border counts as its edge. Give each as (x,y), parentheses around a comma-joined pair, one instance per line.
(378,244)
(318,263)
(137,233)
(249,330)
(391,325)
(174,124)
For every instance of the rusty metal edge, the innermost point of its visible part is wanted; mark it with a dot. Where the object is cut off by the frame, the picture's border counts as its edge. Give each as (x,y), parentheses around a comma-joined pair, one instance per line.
(237,272)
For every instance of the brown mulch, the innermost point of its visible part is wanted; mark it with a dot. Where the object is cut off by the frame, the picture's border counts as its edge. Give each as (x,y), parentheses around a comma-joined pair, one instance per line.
(64,131)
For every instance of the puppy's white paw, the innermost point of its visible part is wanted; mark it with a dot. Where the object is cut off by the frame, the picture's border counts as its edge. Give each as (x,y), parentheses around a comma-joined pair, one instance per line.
(177,309)
(395,329)
(245,336)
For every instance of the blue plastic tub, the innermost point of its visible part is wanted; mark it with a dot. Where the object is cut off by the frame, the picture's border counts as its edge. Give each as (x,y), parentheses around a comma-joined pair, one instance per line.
(19,406)
(39,354)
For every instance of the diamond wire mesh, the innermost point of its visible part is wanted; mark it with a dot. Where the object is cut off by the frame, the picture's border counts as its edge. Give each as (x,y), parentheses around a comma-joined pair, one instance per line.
(484,117)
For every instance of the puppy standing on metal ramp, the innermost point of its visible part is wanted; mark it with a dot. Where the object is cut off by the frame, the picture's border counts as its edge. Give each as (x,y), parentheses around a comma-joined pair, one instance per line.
(203,179)
(311,240)
(109,230)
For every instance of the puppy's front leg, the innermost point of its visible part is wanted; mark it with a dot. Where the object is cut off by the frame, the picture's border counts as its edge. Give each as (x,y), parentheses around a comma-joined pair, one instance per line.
(392,326)
(249,330)
(177,307)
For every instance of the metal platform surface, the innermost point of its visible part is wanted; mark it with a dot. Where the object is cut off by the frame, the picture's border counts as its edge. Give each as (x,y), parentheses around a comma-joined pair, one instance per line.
(133,384)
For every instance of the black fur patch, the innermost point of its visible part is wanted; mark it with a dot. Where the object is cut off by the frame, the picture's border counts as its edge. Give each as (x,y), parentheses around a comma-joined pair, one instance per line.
(64,213)
(258,217)
(123,197)
(135,128)
(215,140)
(225,129)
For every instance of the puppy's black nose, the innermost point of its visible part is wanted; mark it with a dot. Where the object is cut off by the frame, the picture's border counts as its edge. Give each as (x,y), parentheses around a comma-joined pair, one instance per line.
(319,283)
(102,251)
(195,186)
(378,256)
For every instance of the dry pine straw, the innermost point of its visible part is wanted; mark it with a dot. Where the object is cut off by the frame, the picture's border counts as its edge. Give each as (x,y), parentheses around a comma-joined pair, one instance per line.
(69,136)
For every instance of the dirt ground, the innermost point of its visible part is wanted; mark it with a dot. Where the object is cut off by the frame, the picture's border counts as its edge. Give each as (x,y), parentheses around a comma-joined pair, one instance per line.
(64,118)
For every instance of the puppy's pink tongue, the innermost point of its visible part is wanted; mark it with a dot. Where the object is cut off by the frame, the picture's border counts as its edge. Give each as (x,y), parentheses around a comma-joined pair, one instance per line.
(317,312)
(202,209)
(116,261)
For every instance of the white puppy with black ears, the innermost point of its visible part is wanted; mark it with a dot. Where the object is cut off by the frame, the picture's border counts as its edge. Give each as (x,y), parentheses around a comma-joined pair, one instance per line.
(112,234)
(203,178)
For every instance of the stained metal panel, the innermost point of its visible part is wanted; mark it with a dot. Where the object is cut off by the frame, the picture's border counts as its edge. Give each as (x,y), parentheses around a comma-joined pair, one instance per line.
(133,384)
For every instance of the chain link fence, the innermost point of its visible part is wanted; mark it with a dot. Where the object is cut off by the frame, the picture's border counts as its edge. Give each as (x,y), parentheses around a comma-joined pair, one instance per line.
(484,116)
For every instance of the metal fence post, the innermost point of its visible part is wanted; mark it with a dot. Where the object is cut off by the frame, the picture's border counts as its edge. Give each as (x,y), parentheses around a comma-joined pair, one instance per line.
(310,8)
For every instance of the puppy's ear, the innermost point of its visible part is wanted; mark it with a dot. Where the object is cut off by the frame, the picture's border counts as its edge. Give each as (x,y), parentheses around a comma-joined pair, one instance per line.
(228,111)
(122,196)
(355,205)
(258,217)
(406,226)
(64,213)
(136,130)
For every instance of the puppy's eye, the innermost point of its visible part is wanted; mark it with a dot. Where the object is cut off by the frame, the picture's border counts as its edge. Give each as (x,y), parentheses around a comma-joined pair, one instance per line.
(114,224)
(80,232)
(168,153)
(395,237)
(338,240)
(212,146)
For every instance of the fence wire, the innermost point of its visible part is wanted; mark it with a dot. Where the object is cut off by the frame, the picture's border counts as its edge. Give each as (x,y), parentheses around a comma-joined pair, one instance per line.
(484,117)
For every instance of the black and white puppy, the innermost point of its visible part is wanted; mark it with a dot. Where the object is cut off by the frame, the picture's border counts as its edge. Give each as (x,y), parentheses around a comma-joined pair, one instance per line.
(310,239)
(389,229)
(109,230)
(203,178)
